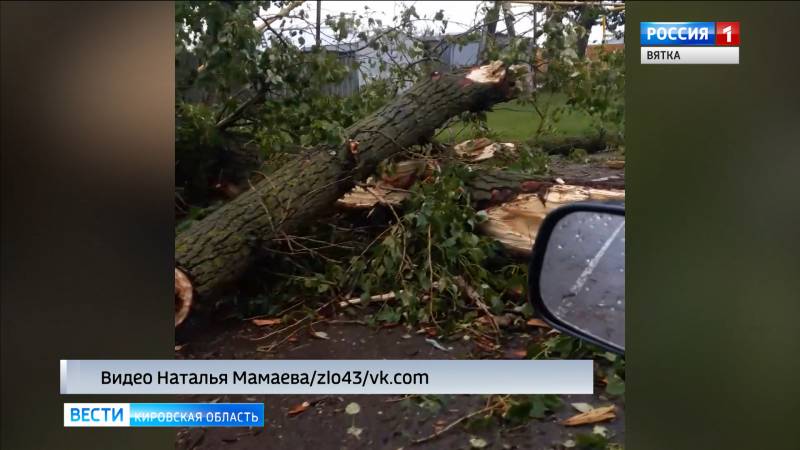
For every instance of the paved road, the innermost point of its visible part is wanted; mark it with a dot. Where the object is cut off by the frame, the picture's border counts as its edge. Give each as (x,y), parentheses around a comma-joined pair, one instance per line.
(583,276)
(387,424)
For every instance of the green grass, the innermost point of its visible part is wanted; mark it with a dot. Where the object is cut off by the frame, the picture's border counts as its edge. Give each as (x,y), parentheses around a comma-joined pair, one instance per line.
(514,122)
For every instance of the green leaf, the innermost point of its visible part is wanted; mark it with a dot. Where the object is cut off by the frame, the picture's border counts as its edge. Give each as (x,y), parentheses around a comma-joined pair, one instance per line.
(519,412)
(352,408)
(476,442)
(388,315)
(615,386)
(591,442)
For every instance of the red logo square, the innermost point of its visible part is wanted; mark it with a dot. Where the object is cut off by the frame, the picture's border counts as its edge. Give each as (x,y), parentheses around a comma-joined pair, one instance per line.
(727,33)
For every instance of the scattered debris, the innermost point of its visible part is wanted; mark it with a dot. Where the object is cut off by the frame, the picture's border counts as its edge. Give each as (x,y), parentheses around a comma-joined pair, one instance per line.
(302,407)
(592,416)
(437,345)
(297,409)
(582,407)
(519,353)
(357,300)
(355,431)
(601,430)
(481,149)
(352,408)
(476,442)
(320,335)
(537,323)
(441,431)
(502,321)
(265,322)
(608,178)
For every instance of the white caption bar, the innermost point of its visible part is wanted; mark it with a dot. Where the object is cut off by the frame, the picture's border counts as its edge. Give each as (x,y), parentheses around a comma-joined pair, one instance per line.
(690,55)
(329,377)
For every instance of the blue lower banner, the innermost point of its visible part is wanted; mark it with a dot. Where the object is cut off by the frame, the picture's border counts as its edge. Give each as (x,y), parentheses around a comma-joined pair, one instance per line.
(163,414)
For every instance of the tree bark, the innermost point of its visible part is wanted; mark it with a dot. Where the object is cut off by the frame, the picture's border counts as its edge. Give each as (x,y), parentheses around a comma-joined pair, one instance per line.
(487,188)
(515,224)
(508,16)
(215,251)
(515,203)
(492,187)
(587,16)
(563,145)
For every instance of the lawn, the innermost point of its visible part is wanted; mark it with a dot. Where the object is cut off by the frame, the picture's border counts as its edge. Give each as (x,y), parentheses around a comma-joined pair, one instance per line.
(514,122)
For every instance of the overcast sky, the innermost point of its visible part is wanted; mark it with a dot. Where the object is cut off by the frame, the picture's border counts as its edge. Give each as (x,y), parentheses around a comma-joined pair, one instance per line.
(460,14)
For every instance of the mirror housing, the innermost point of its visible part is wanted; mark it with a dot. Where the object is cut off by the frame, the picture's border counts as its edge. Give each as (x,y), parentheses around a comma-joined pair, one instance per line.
(603,323)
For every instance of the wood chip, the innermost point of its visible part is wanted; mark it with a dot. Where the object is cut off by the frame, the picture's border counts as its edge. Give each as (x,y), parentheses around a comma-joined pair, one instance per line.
(320,335)
(493,72)
(520,353)
(481,149)
(265,322)
(592,416)
(538,323)
(375,298)
(184,294)
(297,409)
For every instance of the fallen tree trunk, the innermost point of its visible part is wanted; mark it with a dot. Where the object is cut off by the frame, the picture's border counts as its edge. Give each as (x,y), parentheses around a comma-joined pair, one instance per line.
(563,145)
(217,250)
(493,187)
(515,203)
(516,223)
(487,187)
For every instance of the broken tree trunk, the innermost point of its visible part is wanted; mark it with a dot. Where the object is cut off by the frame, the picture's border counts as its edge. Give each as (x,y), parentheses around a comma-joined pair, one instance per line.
(515,203)
(487,187)
(217,250)
(492,187)
(563,145)
(516,223)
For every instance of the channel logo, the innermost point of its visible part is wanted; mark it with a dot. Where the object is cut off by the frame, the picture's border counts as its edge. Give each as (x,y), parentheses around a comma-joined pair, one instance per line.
(727,33)
(689,42)
(163,414)
(97,414)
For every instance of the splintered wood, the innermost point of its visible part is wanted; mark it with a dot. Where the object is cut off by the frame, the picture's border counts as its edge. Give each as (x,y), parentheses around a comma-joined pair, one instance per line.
(493,72)
(390,189)
(514,224)
(183,297)
(368,196)
(481,149)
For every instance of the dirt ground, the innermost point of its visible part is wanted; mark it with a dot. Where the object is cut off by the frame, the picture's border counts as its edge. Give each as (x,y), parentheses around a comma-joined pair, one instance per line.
(388,422)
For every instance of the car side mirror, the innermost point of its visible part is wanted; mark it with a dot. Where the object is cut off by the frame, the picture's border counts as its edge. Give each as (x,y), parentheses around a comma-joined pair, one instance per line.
(576,279)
